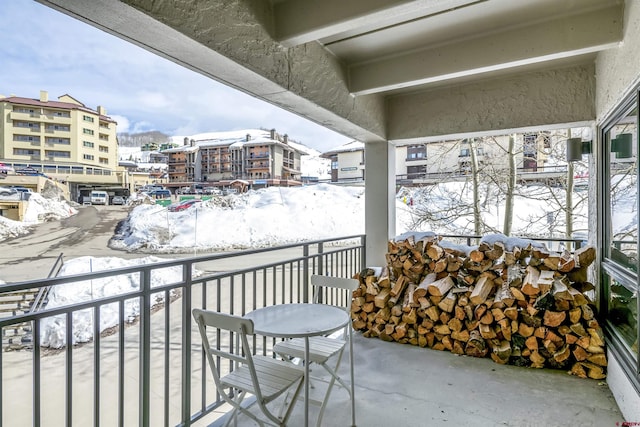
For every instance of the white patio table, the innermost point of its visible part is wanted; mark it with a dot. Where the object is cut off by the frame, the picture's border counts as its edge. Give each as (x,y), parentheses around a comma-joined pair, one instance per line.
(299,321)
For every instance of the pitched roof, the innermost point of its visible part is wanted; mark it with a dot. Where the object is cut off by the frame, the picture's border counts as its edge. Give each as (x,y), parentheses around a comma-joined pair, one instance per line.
(52,104)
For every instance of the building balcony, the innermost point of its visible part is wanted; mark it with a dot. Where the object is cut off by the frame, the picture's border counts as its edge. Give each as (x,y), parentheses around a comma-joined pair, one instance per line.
(132,368)
(16,115)
(416,161)
(52,118)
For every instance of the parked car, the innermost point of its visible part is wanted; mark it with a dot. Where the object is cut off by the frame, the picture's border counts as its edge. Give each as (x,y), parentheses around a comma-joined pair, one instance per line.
(98,197)
(21,189)
(7,191)
(212,190)
(160,194)
(118,200)
(183,205)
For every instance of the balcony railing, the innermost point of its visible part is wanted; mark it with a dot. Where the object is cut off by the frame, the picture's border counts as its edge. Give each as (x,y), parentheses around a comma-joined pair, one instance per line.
(147,369)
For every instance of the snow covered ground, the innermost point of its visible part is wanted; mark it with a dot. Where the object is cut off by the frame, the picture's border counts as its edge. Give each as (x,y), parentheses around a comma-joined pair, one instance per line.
(266,217)
(53,328)
(39,209)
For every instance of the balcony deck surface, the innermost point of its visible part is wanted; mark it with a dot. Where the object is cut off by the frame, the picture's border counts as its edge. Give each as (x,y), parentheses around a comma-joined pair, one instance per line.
(405,385)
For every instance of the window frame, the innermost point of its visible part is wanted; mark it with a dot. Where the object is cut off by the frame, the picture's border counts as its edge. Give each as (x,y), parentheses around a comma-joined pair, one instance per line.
(609,268)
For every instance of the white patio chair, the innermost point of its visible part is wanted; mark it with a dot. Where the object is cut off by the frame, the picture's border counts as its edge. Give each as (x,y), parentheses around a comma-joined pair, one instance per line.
(264,377)
(324,349)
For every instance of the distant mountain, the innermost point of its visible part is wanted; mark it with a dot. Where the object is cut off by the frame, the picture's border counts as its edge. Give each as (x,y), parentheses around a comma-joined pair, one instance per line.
(126,139)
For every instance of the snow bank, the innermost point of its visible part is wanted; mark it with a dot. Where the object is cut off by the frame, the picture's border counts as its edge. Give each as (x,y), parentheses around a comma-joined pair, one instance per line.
(39,209)
(54,329)
(261,218)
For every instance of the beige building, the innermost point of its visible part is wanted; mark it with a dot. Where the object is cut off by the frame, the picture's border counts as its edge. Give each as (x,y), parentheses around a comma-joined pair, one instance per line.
(347,162)
(62,139)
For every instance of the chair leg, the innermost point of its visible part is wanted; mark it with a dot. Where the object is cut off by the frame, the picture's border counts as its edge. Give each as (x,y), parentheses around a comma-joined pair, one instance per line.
(352,375)
(279,419)
(237,407)
(334,377)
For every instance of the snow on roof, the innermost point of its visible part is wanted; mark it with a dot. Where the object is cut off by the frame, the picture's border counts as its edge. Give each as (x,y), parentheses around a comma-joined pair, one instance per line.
(345,148)
(234,139)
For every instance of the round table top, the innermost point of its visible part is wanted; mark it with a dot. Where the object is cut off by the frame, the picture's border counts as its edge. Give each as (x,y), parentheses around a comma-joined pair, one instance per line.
(297,320)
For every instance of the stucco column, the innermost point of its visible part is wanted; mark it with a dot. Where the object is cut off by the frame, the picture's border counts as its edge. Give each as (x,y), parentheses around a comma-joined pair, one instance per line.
(380,214)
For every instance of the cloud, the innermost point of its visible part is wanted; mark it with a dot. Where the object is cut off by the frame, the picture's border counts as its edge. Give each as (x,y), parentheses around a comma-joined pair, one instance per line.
(123,123)
(144,91)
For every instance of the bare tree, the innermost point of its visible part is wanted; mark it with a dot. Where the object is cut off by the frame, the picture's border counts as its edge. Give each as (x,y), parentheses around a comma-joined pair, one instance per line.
(510,188)
(487,179)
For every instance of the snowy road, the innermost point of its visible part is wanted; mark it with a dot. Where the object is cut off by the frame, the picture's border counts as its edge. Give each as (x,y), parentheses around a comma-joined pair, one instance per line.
(32,256)
(87,233)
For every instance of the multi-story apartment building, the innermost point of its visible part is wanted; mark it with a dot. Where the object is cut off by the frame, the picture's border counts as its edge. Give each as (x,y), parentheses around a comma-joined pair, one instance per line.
(347,162)
(62,139)
(432,161)
(259,157)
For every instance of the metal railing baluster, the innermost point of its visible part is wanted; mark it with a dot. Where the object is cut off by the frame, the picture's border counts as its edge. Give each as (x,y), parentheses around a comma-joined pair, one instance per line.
(286,279)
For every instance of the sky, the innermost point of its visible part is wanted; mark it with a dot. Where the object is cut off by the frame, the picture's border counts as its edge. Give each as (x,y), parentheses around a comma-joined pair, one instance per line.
(43,49)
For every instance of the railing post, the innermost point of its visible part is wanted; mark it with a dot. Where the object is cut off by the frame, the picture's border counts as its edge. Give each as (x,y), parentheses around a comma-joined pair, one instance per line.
(321,258)
(186,344)
(305,274)
(145,347)
(363,258)
(320,299)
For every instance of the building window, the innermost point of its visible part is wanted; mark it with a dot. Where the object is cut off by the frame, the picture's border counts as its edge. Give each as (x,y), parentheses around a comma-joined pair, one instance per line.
(57,113)
(87,118)
(465,151)
(414,172)
(63,141)
(529,147)
(23,110)
(31,125)
(87,131)
(103,160)
(55,153)
(25,152)
(104,149)
(87,144)
(618,232)
(87,156)
(26,138)
(65,128)
(416,152)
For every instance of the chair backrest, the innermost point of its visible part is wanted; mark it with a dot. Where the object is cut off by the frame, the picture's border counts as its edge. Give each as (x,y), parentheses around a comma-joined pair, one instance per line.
(336,283)
(227,322)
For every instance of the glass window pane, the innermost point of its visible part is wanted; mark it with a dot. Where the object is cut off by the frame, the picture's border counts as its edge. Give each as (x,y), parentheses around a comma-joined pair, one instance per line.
(623,190)
(623,314)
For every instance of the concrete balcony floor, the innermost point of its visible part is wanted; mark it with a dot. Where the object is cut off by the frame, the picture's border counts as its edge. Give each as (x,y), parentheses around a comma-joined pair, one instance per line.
(405,385)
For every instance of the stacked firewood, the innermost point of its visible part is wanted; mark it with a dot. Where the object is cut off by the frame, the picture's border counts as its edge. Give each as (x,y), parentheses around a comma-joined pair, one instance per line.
(506,299)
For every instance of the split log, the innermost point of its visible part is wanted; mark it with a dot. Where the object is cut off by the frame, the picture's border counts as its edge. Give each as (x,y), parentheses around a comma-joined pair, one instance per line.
(421,290)
(440,287)
(476,345)
(545,280)
(553,318)
(434,251)
(399,286)
(530,283)
(382,298)
(481,291)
